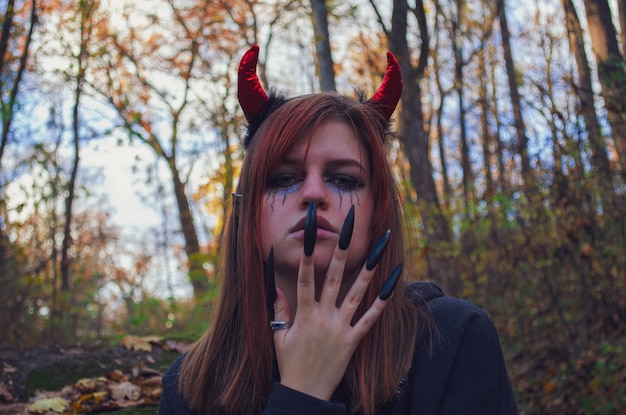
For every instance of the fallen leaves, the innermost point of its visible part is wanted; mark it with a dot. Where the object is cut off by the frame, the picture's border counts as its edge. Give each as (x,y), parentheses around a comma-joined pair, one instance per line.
(145,344)
(43,406)
(126,391)
(141,343)
(5,393)
(134,386)
(140,387)
(176,346)
(7,368)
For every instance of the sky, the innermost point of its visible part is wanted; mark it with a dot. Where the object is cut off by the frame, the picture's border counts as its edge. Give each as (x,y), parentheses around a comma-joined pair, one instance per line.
(120,184)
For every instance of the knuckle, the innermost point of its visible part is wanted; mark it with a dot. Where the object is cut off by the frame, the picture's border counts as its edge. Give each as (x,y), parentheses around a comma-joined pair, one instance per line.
(352,300)
(340,255)
(333,280)
(305,283)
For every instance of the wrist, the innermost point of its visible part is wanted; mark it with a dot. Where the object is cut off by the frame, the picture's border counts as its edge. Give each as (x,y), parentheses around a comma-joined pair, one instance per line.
(316,391)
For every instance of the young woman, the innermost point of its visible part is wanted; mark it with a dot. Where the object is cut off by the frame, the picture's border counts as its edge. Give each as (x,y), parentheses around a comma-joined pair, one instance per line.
(314,316)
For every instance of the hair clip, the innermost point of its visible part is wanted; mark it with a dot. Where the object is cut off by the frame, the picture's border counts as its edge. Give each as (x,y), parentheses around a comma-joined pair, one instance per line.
(236,201)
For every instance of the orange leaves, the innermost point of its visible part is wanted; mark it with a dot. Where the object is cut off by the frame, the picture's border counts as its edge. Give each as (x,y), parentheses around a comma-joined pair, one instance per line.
(140,343)
(548,387)
(138,386)
(117,390)
(77,380)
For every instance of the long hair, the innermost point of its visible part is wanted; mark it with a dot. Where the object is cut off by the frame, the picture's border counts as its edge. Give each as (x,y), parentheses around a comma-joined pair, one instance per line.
(230,370)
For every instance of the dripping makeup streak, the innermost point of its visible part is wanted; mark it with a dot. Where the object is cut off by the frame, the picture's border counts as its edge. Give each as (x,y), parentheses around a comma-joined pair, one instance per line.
(332,168)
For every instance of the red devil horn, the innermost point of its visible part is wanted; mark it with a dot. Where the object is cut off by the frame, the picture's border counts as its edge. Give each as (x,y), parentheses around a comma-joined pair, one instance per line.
(389,91)
(252,97)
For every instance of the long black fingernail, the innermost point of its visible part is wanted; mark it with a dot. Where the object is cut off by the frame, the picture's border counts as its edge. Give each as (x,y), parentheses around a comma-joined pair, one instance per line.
(270,284)
(310,230)
(345,236)
(391,283)
(377,252)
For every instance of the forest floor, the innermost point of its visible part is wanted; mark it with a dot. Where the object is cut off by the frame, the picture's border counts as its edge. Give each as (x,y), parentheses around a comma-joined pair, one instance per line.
(85,378)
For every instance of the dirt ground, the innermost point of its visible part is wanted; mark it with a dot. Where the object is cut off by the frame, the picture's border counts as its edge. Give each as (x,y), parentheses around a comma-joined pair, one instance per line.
(25,372)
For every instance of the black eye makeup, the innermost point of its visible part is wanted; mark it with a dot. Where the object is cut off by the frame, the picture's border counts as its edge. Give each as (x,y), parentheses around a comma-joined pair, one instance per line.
(283,183)
(345,182)
(342,176)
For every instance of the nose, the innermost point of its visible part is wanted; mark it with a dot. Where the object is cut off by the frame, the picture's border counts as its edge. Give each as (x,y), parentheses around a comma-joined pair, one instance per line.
(314,189)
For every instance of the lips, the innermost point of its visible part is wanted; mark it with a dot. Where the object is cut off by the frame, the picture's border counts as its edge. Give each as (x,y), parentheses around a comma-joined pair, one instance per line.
(322,224)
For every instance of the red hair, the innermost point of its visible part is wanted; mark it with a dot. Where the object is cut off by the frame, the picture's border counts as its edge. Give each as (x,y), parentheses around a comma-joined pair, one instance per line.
(231,368)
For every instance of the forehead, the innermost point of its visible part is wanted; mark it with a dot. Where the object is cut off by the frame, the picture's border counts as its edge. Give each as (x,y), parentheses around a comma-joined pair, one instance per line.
(333,139)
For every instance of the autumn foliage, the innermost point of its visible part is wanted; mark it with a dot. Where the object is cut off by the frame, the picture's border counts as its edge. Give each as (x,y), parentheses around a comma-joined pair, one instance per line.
(509,145)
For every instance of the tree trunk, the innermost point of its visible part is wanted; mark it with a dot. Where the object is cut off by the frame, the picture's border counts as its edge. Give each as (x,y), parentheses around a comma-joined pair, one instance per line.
(516,100)
(140,128)
(85,13)
(7,23)
(322,45)
(621,12)
(4,44)
(229,176)
(7,118)
(71,186)
(599,158)
(197,275)
(445,177)
(610,71)
(503,184)
(559,181)
(415,140)
(485,130)
(457,48)
(437,71)
(585,87)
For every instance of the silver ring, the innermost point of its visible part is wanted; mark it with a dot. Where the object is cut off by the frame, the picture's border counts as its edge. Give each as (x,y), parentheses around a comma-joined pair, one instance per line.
(279,325)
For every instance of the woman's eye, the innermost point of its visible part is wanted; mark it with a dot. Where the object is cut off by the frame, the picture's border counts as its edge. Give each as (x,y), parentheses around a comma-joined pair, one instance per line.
(281,181)
(345,182)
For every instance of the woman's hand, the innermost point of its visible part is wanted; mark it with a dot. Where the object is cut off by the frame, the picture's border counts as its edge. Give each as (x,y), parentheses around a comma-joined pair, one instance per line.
(314,351)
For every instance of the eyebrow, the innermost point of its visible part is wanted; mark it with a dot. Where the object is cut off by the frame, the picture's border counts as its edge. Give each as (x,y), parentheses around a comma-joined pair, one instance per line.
(338,162)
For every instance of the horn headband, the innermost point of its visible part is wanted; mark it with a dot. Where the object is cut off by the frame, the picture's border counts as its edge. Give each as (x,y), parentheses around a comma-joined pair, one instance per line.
(257,105)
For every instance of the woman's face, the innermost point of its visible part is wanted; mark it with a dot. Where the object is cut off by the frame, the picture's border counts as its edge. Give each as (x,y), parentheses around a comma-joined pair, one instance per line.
(335,175)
